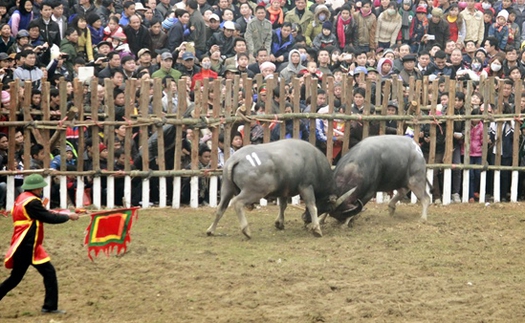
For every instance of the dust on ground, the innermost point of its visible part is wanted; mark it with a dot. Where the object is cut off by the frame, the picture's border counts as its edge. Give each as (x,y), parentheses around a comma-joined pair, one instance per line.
(465,264)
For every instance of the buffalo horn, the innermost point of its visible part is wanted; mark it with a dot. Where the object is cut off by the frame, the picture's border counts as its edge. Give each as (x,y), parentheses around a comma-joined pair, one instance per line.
(343,197)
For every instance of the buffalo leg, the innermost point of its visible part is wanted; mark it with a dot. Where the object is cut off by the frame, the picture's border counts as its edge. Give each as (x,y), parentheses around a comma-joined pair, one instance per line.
(401,193)
(226,196)
(309,198)
(419,188)
(279,222)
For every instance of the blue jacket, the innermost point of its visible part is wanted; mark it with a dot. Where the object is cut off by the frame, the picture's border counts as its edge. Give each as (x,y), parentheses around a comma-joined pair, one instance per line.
(280,46)
(501,33)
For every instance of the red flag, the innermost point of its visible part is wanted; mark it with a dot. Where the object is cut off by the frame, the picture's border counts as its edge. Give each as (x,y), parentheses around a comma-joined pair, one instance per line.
(108,230)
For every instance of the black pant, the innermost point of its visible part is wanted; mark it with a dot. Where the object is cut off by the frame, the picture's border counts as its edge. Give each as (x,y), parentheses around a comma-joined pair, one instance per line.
(21,262)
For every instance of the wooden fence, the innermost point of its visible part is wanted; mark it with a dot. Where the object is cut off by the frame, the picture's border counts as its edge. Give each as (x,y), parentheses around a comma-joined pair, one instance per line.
(227,113)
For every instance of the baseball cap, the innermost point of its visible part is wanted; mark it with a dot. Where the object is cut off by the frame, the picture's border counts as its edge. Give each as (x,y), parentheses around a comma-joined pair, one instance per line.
(4,56)
(187,56)
(143,51)
(166,55)
(229,25)
(215,17)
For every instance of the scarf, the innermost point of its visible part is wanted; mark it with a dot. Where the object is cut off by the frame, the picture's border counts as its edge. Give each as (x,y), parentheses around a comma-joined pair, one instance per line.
(276,15)
(366,15)
(341,30)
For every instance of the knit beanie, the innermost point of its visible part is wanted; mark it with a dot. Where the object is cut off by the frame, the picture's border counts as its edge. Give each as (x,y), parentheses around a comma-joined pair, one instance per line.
(92,17)
(6,97)
(327,25)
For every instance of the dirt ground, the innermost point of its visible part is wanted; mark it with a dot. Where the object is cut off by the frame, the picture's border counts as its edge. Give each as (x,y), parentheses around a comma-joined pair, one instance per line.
(465,264)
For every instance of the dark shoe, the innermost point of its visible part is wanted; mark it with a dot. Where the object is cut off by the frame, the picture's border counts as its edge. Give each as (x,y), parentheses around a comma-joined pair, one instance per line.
(57,311)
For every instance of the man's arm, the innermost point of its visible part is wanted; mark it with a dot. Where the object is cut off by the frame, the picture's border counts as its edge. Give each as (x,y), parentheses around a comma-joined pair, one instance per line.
(36,211)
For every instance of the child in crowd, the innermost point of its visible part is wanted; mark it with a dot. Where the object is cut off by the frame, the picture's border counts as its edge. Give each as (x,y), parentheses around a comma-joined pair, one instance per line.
(326,37)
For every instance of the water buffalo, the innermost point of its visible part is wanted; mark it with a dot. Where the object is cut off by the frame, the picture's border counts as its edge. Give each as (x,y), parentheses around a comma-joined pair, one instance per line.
(280,170)
(380,164)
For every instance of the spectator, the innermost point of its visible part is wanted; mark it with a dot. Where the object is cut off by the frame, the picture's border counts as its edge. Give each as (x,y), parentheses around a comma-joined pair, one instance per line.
(22,16)
(438,29)
(246,16)
(223,41)
(95,28)
(366,27)
(314,28)
(6,40)
(83,8)
(198,28)
(159,39)
(345,27)
(389,24)
(499,29)
(326,38)
(137,35)
(68,46)
(166,62)
(180,31)
(300,15)
(275,14)
(473,21)
(205,73)
(203,192)
(28,71)
(258,32)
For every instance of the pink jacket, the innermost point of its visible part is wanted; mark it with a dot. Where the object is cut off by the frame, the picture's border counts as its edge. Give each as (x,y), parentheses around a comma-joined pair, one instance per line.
(476,140)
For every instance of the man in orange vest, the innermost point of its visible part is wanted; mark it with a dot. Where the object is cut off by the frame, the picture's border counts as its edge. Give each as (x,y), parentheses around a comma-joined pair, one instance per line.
(29,216)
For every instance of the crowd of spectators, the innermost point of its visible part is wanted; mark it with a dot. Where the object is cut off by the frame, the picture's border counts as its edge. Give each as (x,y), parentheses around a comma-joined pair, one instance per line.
(204,39)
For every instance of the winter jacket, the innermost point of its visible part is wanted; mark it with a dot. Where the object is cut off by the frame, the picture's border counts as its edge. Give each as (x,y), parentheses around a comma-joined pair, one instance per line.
(366,30)
(501,33)
(387,28)
(441,32)
(304,21)
(281,46)
(258,35)
(290,71)
(137,39)
(476,140)
(474,25)
(316,26)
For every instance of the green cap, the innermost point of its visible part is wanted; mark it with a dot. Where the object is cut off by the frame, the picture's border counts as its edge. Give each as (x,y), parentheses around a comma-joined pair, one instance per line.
(33,182)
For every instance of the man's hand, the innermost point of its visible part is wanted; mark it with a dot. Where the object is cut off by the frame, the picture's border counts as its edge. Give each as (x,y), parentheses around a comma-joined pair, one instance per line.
(73,216)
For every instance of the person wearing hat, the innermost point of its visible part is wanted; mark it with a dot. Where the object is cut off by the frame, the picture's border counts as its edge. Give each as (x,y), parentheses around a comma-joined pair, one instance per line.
(409,69)
(29,215)
(407,15)
(326,37)
(166,67)
(145,61)
(321,15)
(438,29)
(419,28)
(223,41)
(259,32)
(188,67)
(6,73)
(95,28)
(391,125)
(500,30)
(214,25)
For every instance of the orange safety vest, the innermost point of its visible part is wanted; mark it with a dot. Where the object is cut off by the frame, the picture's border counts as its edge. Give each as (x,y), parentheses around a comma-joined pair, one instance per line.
(22,223)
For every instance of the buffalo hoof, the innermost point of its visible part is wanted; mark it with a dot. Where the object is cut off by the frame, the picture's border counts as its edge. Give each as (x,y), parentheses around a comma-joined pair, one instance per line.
(317,232)
(247,233)
(209,233)
(391,210)
(279,225)
(423,220)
